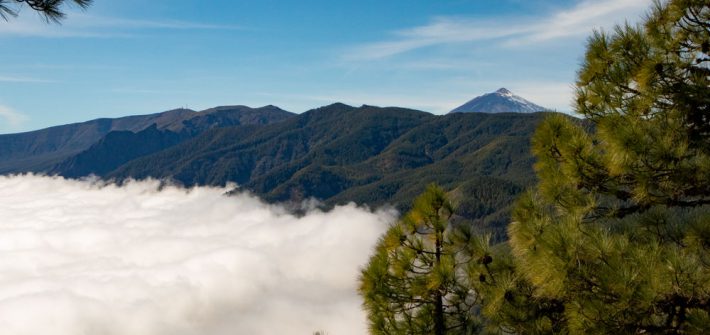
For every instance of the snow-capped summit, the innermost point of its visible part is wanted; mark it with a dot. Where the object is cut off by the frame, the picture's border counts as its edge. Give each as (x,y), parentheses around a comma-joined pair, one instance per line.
(500,101)
(504,91)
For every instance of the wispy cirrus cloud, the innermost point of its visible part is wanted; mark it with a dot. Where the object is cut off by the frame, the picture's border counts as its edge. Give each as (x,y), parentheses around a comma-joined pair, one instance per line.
(81,25)
(442,30)
(93,21)
(583,18)
(507,31)
(150,91)
(23,79)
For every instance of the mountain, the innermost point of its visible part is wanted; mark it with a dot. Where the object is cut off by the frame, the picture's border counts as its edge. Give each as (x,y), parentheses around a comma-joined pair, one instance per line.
(368,155)
(42,150)
(338,154)
(500,101)
(115,149)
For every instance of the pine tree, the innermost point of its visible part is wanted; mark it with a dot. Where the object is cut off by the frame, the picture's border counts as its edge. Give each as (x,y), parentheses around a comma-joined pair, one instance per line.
(50,10)
(615,238)
(414,283)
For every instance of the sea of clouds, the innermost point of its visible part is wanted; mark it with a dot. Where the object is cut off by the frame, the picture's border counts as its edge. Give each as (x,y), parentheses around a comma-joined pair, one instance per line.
(84,257)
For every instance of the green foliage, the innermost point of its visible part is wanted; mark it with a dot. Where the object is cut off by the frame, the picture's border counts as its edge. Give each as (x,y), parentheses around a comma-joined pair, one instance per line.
(414,283)
(614,238)
(646,88)
(488,201)
(49,9)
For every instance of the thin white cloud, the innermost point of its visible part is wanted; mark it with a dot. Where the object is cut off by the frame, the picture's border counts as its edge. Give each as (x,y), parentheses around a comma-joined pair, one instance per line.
(32,25)
(84,25)
(581,20)
(511,31)
(437,104)
(442,30)
(558,96)
(12,117)
(438,64)
(82,20)
(151,91)
(80,257)
(22,79)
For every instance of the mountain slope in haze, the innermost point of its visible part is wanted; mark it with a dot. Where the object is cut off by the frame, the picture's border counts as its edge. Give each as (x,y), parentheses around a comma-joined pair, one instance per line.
(500,101)
(42,150)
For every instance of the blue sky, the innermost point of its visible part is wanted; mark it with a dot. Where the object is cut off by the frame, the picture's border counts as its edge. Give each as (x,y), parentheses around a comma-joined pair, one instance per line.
(137,57)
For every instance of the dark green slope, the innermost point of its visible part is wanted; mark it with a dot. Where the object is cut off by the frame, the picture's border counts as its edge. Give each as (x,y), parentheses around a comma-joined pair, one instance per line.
(369,155)
(115,149)
(444,149)
(120,147)
(42,150)
(272,154)
(39,150)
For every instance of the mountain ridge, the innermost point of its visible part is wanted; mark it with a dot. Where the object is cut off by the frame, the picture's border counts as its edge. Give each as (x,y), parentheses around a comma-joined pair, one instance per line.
(338,153)
(368,155)
(40,150)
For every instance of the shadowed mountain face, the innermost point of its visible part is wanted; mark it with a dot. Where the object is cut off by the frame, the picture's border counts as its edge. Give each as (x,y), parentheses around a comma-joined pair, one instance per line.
(42,150)
(115,149)
(500,101)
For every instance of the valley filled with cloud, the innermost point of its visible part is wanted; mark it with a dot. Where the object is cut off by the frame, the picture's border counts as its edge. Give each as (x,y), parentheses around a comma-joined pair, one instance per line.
(86,257)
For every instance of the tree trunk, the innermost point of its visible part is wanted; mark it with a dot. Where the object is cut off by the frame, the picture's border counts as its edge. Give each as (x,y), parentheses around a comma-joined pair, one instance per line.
(439,327)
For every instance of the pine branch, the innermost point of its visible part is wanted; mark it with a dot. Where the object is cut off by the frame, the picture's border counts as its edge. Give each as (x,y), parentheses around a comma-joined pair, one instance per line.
(50,10)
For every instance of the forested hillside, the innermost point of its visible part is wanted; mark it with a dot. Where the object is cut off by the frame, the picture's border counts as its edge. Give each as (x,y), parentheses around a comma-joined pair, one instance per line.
(42,150)
(336,154)
(367,154)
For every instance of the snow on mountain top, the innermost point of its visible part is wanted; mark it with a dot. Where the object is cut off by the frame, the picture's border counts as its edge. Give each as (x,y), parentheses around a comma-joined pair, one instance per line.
(500,101)
(504,91)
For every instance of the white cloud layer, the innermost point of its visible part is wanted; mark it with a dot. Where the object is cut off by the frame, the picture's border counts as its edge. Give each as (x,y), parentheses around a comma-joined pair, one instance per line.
(78,257)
